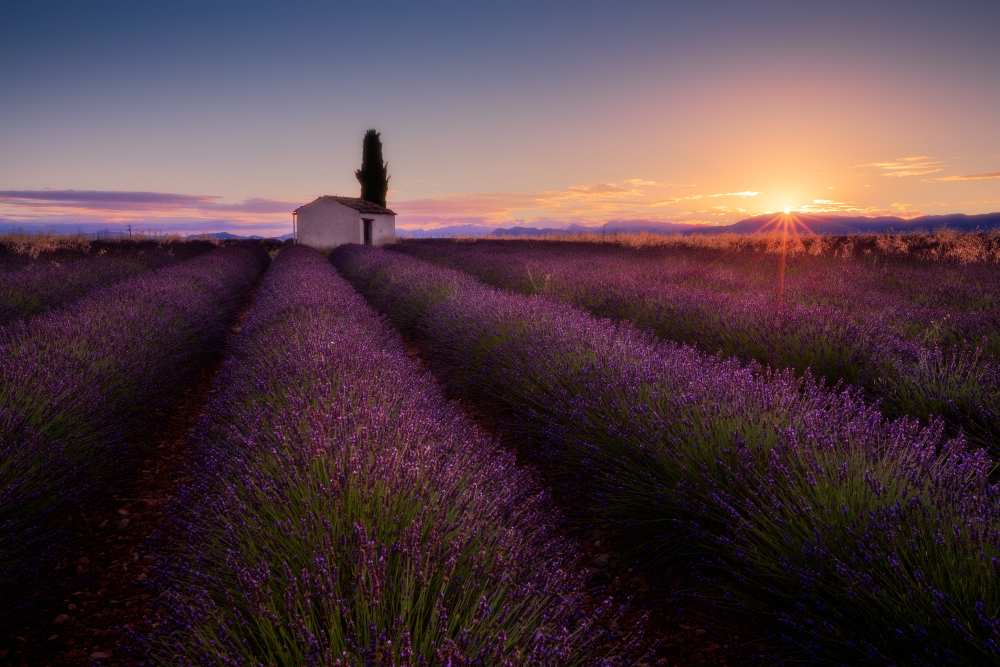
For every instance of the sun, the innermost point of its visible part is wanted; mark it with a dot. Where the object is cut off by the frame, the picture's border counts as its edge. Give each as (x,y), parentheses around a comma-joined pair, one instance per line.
(787,210)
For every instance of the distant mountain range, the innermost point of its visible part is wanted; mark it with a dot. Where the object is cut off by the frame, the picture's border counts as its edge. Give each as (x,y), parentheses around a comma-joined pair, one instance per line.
(222,236)
(482,230)
(825,224)
(228,236)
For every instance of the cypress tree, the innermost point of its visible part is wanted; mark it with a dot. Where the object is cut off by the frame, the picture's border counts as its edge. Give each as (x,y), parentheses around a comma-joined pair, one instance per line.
(374,173)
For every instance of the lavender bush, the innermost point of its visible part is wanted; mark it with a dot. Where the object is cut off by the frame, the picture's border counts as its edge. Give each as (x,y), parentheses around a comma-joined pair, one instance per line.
(38,285)
(78,386)
(344,513)
(923,339)
(860,540)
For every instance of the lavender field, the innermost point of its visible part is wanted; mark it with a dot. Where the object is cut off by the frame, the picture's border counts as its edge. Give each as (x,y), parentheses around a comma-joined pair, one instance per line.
(498,453)
(921,338)
(29,287)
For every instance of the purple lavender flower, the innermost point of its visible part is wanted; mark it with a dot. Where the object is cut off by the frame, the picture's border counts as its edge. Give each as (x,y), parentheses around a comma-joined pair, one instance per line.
(860,536)
(343,512)
(80,384)
(32,287)
(921,338)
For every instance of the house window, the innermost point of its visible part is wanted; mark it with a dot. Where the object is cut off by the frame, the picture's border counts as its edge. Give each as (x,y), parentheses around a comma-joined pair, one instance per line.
(367,222)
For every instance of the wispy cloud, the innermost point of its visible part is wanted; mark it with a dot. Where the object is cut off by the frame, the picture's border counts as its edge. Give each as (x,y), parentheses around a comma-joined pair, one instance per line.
(833,206)
(572,202)
(580,204)
(905,210)
(913,165)
(715,195)
(988,176)
(600,188)
(474,204)
(741,193)
(167,211)
(584,204)
(120,200)
(103,197)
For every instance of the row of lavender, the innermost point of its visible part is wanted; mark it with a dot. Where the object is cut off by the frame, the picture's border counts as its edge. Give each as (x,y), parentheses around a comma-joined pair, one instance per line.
(963,299)
(34,286)
(79,386)
(344,513)
(920,351)
(864,539)
(927,303)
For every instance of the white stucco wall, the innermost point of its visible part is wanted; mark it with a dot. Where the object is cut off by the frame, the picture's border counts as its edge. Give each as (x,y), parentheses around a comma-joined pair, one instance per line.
(383,228)
(328,224)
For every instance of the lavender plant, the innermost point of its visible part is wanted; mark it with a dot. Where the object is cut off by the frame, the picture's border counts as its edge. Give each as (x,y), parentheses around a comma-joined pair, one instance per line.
(923,339)
(344,513)
(78,386)
(49,282)
(859,540)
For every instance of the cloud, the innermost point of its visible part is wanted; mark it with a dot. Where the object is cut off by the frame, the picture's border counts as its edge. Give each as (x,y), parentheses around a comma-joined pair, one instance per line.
(120,200)
(101,199)
(988,176)
(255,205)
(833,206)
(149,211)
(434,221)
(603,188)
(478,204)
(600,195)
(715,195)
(581,204)
(742,193)
(914,165)
(830,206)
(501,208)
(585,204)
(904,210)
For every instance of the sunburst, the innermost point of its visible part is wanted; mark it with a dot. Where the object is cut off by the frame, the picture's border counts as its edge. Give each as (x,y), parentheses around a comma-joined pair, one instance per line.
(788,225)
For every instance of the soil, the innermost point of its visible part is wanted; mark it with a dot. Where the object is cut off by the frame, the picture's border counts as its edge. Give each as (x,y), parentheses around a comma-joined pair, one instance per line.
(105,597)
(105,585)
(101,597)
(671,628)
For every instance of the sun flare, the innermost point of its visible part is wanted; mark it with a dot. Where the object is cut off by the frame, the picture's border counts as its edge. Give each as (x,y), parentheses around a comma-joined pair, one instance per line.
(787,210)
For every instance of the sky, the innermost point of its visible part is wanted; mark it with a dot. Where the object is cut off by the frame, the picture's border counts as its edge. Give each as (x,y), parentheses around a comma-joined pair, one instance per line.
(208,116)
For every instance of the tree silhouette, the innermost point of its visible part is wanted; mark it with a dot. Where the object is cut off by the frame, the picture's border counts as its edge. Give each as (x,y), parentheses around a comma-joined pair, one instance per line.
(374,173)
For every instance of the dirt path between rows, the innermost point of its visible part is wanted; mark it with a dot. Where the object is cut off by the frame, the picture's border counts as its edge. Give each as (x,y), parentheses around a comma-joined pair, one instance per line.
(106,583)
(101,597)
(676,631)
(107,595)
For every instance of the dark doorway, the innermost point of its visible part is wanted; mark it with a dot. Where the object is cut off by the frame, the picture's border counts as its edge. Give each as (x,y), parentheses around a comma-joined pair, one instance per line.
(368,230)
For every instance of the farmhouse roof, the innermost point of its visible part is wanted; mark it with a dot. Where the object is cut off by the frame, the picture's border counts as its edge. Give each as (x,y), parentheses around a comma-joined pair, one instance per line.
(356,203)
